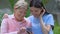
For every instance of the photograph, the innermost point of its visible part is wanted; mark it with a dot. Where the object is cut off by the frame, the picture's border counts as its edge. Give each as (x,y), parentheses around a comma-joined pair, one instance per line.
(29,16)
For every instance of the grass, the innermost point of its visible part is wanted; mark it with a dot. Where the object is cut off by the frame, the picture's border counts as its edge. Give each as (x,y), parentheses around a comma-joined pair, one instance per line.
(56,28)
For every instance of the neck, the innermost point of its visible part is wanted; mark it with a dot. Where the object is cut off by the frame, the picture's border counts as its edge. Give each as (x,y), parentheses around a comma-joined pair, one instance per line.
(36,16)
(19,20)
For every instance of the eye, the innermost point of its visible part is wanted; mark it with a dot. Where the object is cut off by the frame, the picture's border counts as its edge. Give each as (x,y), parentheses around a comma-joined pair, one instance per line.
(31,10)
(20,11)
(35,10)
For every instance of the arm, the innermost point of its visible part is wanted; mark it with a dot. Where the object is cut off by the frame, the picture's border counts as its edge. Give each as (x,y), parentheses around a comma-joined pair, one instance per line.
(4,28)
(45,28)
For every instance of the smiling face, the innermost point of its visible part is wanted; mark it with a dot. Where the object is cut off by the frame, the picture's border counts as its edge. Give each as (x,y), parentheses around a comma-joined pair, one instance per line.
(35,11)
(36,7)
(20,13)
(20,9)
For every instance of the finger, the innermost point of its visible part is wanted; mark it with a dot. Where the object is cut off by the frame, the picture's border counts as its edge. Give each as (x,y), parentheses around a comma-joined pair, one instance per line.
(5,16)
(23,28)
(43,11)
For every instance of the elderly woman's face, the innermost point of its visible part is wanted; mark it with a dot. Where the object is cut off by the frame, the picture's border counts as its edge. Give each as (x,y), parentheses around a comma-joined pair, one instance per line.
(35,11)
(20,12)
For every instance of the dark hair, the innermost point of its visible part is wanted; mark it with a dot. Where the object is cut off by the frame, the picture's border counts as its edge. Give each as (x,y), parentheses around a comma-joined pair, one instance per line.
(37,4)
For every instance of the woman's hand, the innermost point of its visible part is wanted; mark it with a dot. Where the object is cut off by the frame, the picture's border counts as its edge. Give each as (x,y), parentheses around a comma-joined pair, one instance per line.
(42,13)
(5,16)
(22,30)
(45,28)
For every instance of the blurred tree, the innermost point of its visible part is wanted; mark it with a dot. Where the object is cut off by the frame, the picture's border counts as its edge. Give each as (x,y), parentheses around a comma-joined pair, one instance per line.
(12,2)
(45,1)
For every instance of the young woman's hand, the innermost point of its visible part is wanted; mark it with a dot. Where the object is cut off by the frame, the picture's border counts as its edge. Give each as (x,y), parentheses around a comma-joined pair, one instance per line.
(5,16)
(42,13)
(45,28)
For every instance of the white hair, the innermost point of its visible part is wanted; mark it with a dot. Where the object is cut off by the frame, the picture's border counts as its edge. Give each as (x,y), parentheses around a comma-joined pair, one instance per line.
(21,3)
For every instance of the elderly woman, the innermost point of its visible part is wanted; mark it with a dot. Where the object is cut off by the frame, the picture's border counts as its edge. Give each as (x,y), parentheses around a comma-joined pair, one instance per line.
(16,24)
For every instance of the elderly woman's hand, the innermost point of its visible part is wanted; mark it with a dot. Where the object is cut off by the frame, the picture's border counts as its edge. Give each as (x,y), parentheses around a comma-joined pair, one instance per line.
(22,30)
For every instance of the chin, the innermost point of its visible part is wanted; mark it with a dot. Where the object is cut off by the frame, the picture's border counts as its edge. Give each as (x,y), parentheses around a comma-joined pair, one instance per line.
(20,18)
(36,16)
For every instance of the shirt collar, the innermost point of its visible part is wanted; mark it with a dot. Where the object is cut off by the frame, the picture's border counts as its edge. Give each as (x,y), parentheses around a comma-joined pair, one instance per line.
(13,17)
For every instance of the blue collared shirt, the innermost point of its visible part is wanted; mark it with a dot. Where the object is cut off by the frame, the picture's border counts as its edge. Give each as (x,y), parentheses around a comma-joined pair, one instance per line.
(36,27)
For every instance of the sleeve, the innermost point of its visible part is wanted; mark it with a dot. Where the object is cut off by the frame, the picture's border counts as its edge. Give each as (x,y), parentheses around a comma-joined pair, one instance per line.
(4,28)
(50,20)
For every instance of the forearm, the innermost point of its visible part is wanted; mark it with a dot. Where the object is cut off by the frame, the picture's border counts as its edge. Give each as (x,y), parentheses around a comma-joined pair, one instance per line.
(9,32)
(44,28)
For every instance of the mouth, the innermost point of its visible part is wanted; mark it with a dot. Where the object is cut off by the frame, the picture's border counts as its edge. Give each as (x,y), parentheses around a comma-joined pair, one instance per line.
(36,15)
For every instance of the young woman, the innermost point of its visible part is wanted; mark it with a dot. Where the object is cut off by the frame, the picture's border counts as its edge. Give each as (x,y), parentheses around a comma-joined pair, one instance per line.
(41,20)
(16,24)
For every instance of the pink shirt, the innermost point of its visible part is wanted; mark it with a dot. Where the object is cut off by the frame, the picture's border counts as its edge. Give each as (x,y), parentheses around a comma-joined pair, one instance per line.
(11,26)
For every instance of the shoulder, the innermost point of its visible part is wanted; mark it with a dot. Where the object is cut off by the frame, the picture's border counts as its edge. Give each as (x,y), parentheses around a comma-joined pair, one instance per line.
(5,20)
(10,16)
(48,16)
(30,17)
(28,22)
(7,16)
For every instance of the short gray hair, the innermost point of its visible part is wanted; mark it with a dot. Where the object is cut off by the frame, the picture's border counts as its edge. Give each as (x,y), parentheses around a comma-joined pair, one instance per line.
(21,3)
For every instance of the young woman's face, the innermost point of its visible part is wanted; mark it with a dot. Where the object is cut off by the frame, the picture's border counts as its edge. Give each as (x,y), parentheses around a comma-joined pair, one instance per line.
(20,13)
(35,11)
